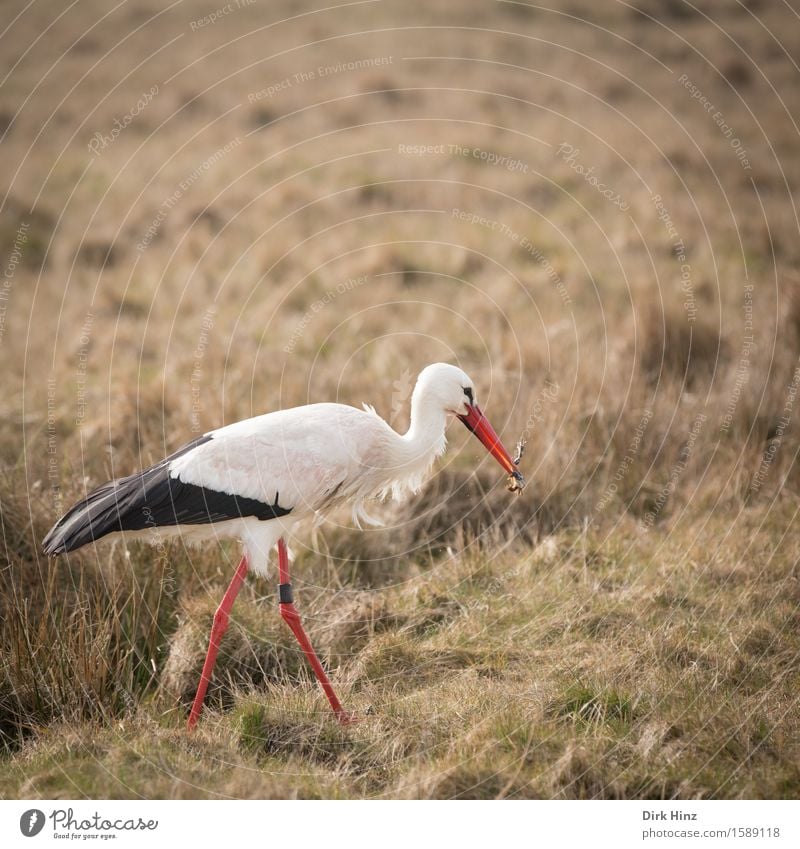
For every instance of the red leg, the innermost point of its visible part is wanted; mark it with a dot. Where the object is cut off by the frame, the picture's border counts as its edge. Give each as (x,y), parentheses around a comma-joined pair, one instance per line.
(218,629)
(292,619)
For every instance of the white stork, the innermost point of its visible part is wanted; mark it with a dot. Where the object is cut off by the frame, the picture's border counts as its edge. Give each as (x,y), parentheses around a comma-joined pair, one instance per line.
(255,479)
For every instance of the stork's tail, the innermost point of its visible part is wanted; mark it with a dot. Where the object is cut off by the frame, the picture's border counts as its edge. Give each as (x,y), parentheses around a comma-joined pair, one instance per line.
(90,519)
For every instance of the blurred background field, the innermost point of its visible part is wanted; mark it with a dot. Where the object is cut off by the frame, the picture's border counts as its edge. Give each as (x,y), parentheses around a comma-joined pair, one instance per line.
(211,211)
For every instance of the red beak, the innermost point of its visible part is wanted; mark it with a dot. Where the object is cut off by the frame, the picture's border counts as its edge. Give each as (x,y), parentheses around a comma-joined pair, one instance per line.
(479,425)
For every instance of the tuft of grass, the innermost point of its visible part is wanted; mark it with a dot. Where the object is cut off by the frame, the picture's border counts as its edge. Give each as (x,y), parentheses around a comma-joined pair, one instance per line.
(584,705)
(95,657)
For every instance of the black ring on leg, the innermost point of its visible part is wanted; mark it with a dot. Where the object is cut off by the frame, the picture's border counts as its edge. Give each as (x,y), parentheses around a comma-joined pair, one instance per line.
(285,594)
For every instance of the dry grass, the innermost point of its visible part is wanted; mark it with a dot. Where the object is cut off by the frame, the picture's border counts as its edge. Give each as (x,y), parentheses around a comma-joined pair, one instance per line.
(629,627)
(589,666)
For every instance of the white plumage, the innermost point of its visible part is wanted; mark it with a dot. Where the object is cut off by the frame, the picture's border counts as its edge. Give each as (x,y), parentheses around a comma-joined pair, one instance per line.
(311,459)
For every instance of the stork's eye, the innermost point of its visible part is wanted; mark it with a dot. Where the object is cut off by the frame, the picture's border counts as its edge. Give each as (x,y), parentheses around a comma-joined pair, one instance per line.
(468,393)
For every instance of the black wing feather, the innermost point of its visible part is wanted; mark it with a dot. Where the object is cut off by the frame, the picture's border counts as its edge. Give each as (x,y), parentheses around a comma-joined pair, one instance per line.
(150,499)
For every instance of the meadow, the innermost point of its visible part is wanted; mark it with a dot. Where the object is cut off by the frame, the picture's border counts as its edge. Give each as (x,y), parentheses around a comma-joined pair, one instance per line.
(211,212)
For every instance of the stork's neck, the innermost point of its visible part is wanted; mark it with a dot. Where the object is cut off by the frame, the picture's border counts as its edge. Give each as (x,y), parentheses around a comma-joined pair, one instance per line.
(414,451)
(425,438)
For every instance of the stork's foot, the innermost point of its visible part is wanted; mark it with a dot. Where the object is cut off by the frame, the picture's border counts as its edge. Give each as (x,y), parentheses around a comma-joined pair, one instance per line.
(344,717)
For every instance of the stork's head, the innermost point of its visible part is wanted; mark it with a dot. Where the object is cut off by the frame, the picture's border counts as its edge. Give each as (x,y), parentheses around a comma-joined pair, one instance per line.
(450,387)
